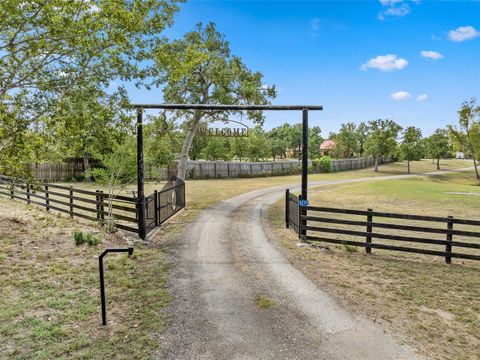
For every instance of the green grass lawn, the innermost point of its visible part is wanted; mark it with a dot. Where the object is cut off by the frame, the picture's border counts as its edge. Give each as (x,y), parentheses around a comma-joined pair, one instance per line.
(434,195)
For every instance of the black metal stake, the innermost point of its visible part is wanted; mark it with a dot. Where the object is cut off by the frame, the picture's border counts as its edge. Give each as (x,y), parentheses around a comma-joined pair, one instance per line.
(102,282)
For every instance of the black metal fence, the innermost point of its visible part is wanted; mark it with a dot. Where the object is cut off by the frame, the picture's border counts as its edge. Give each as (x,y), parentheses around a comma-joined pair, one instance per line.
(163,204)
(427,235)
(95,205)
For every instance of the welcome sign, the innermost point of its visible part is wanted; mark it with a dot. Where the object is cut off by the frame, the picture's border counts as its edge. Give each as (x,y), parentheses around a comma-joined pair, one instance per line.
(242,131)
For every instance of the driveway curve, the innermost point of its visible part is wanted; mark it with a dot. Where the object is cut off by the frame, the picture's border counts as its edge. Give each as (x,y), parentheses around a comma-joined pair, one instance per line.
(225,260)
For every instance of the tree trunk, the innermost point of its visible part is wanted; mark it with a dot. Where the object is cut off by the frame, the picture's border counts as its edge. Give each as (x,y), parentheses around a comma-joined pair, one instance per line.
(376,163)
(408,166)
(438,164)
(472,149)
(476,169)
(86,166)
(187,143)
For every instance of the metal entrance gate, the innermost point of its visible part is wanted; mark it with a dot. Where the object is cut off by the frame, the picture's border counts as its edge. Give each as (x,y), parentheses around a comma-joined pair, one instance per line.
(163,204)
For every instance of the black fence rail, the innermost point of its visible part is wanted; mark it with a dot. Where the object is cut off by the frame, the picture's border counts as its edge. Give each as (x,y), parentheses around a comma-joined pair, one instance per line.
(446,237)
(117,210)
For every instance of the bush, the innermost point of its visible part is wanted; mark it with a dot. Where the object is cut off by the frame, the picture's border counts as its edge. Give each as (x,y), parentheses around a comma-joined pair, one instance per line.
(326,164)
(89,238)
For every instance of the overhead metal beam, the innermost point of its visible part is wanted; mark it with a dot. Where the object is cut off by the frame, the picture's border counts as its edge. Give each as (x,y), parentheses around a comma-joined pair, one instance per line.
(227,107)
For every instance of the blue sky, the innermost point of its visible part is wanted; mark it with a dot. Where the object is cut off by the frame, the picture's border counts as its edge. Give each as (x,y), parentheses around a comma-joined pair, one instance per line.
(361,60)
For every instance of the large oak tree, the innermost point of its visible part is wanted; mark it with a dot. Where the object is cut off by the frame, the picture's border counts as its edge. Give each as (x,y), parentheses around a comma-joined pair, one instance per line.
(200,69)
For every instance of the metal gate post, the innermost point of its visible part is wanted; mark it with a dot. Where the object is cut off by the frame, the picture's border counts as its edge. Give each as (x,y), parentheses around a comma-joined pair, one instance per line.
(304,168)
(141,195)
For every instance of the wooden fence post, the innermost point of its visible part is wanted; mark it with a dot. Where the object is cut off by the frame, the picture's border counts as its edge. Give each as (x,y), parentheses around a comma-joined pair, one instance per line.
(368,249)
(157,210)
(12,190)
(97,205)
(28,194)
(71,201)
(448,246)
(287,208)
(102,206)
(47,201)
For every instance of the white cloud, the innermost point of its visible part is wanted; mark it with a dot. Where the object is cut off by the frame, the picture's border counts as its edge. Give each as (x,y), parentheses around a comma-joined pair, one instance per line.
(423,98)
(388,62)
(428,54)
(463,33)
(394,8)
(400,95)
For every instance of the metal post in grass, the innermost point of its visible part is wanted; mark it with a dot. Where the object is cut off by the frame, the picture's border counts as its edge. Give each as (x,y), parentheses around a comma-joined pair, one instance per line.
(102,281)
(28,194)
(368,248)
(448,246)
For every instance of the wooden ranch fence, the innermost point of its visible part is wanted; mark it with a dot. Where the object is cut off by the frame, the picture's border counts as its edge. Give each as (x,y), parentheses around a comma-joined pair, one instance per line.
(96,205)
(446,237)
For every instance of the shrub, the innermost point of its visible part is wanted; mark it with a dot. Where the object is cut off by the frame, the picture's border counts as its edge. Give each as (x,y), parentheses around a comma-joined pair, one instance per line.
(326,164)
(78,237)
(89,238)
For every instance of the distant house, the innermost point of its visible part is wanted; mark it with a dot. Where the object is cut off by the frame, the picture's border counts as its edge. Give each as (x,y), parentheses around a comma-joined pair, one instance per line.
(459,155)
(327,147)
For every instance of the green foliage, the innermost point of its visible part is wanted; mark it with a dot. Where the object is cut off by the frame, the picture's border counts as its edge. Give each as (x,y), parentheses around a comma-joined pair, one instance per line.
(382,138)
(314,141)
(162,143)
(51,45)
(239,148)
(411,147)
(346,141)
(325,163)
(437,145)
(257,145)
(218,148)
(469,119)
(199,68)
(119,167)
(81,238)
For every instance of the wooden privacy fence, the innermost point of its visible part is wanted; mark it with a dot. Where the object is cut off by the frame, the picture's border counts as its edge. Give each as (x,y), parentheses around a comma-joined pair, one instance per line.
(120,211)
(201,169)
(447,237)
